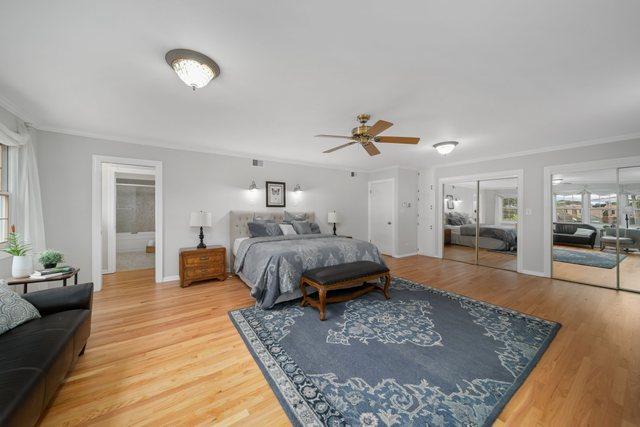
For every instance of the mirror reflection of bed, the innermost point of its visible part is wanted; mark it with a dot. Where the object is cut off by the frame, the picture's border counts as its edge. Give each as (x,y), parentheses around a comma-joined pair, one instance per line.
(488,208)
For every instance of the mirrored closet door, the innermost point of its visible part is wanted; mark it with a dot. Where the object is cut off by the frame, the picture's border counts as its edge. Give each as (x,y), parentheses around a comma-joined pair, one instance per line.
(480,222)
(460,212)
(596,227)
(498,224)
(629,229)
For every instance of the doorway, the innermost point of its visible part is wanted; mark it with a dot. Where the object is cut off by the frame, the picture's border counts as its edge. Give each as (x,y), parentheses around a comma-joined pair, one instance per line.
(381,215)
(130,218)
(126,217)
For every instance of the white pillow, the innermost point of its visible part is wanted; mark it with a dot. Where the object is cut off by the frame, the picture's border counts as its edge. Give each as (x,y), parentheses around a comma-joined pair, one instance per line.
(583,232)
(287,229)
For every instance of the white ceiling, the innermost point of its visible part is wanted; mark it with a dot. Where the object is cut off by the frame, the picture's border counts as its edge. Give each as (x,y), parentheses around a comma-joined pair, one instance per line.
(500,77)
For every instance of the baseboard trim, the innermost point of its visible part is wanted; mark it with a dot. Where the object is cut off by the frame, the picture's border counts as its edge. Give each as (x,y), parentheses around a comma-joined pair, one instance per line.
(533,273)
(405,255)
(430,255)
(170,279)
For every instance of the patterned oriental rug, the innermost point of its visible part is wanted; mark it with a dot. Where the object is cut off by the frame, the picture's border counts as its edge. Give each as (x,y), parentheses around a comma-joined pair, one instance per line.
(426,356)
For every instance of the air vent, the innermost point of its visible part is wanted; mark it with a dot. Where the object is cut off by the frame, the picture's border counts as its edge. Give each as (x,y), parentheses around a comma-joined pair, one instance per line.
(259,163)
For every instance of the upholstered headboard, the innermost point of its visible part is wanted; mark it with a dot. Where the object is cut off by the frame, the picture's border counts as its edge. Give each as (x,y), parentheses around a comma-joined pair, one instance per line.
(238,221)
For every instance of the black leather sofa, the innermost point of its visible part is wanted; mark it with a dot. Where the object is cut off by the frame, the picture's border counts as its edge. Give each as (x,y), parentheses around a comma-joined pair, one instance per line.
(563,232)
(36,356)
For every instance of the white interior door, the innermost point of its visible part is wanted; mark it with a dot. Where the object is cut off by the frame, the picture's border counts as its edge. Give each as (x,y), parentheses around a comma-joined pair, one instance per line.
(381,215)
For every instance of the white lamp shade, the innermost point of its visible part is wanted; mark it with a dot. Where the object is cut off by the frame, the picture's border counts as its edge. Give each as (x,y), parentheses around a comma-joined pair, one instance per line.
(332,218)
(200,219)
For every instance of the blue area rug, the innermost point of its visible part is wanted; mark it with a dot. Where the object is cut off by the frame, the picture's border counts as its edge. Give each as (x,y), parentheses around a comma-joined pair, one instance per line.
(591,259)
(424,357)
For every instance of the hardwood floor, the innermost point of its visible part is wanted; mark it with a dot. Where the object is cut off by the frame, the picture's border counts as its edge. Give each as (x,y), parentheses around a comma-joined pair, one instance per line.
(161,354)
(496,259)
(629,270)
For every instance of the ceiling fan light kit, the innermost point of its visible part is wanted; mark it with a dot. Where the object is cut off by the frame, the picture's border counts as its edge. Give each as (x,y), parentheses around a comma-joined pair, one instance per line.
(367,135)
(445,147)
(193,68)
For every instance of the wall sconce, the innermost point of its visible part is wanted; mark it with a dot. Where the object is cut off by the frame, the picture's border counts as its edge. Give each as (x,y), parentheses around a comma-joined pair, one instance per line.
(449,199)
(253,187)
(297,188)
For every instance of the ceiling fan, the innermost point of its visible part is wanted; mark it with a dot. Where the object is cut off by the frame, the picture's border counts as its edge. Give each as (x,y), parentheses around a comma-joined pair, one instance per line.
(367,135)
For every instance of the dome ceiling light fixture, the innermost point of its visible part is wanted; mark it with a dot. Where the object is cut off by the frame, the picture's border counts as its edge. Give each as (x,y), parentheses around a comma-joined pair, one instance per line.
(445,147)
(193,68)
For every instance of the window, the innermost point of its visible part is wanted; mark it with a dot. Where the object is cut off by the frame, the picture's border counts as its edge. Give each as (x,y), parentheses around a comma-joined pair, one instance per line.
(568,207)
(4,194)
(603,208)
(509,209)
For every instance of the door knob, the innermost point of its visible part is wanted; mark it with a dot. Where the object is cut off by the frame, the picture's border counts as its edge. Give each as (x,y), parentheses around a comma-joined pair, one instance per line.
(389,223)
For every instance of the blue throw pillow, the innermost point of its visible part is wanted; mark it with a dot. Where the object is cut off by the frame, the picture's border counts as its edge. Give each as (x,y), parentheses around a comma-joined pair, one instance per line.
(302,227)
(315,228)
(263,229)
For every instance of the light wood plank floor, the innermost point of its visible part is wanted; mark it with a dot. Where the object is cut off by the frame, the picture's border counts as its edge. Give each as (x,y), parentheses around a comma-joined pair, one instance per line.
(629,270)
(496,259)
(160,354)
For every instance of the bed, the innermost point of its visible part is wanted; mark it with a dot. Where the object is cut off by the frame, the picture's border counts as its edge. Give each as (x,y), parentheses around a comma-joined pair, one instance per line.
(272,266)
(492,237)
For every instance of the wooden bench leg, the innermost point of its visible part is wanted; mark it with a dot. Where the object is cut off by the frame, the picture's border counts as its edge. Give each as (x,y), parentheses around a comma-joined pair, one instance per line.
(323,302)
(385,289)
(303,290)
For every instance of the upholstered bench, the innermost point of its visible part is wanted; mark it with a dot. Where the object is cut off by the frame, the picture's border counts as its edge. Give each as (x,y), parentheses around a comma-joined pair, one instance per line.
(343,276)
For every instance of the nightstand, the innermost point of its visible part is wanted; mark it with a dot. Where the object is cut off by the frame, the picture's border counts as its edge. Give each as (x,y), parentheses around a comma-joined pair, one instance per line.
(202,264)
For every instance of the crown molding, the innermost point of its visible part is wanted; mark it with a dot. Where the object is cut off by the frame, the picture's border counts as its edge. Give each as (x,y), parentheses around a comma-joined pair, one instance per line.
(11,107)
(587,143)
(193,148)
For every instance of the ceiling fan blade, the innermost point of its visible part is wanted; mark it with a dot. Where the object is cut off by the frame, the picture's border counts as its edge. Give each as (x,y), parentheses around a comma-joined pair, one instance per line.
(397,139)
(371,149)
(333,136)
(331,150)
(379,127)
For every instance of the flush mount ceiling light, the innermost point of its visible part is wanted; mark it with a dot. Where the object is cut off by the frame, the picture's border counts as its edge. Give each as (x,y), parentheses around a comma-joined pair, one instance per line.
(193,68)
(445,147)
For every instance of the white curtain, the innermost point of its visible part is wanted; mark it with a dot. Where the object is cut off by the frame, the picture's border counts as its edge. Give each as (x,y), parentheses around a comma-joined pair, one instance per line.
(24,186)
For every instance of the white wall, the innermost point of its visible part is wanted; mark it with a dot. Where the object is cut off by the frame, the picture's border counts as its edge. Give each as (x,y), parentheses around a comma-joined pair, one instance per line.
(533,231)
(192,181)
(405,208)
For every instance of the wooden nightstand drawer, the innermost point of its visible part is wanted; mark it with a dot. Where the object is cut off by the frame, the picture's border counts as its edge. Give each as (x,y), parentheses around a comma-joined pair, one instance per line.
(193,273)
(202,264)
(203,260)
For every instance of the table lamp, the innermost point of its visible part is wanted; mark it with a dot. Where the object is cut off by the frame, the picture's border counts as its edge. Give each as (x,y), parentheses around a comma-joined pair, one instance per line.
(332,218)
(200,219)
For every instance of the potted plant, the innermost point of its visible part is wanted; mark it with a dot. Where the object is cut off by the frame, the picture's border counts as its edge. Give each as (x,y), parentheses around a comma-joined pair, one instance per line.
(22,265)
(50,258)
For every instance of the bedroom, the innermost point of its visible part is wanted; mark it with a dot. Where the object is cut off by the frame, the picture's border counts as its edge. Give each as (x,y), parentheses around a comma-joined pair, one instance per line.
(439,192)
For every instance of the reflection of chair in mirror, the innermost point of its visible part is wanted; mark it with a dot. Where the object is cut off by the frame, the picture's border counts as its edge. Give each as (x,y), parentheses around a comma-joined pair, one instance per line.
(629,238)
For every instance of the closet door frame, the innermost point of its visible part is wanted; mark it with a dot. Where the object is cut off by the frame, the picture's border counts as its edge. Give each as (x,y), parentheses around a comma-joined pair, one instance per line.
(453,180)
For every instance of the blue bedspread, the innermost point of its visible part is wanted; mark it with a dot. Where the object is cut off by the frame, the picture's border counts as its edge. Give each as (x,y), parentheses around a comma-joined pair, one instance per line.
(274,264)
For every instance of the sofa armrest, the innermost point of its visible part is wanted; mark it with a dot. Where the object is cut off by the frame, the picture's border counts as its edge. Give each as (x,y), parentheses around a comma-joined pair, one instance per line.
(60,299)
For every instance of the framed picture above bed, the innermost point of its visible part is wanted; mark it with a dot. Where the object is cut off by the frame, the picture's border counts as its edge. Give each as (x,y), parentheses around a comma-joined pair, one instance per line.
(276,193)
